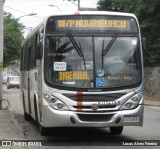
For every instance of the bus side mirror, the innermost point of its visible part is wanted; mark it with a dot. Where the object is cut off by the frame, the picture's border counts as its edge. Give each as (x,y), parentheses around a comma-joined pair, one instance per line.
(144,47)
(39,51)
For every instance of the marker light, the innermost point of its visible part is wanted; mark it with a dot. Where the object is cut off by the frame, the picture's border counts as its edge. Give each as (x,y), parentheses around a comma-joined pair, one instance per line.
(46,96)
(77,13)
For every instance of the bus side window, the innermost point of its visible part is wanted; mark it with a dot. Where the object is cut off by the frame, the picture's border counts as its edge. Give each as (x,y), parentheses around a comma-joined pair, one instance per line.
(39,47)
(33,52)
(25,57)
(22,53)
(29,58)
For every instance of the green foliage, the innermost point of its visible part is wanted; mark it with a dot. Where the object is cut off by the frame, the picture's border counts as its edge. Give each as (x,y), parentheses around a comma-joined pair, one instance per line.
(148,14)
(13,38)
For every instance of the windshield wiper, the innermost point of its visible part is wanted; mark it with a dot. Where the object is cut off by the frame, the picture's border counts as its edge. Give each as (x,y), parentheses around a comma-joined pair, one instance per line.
(82,55)
(105,51)
(74,44)
(102,53)
(78,48)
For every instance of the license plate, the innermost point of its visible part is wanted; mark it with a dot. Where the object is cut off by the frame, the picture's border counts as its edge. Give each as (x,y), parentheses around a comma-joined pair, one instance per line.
(131,119)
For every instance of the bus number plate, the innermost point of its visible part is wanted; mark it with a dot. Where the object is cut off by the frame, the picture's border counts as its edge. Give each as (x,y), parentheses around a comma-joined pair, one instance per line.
(131,119)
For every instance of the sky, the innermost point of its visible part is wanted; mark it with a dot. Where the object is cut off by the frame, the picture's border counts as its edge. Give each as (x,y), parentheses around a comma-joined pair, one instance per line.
(20,8)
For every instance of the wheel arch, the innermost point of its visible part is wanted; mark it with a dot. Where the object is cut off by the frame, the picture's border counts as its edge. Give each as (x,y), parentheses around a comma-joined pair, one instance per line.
(36,107)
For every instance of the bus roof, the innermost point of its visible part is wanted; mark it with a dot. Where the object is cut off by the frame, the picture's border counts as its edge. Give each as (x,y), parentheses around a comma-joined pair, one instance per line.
(112,13)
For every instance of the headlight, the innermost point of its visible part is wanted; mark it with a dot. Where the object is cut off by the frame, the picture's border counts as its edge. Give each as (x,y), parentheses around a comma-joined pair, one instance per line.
(133,102)
(55,103)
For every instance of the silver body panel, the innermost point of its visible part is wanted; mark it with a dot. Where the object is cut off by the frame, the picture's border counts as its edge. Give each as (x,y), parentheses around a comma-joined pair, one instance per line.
(55,118)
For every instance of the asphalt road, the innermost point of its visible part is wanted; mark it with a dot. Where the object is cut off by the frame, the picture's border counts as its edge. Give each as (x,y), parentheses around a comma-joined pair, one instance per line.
(78,137)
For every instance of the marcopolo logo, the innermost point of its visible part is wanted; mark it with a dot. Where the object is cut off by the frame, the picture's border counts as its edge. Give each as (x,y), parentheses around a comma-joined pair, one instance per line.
(108,103)
(105,104)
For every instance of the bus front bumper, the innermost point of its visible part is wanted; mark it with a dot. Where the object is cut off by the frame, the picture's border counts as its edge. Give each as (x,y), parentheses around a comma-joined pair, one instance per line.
(55,118)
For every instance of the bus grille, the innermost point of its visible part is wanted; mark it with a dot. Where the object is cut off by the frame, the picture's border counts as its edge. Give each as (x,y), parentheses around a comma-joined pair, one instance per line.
(95,98)
(99,107)
(94,117)
(97,102)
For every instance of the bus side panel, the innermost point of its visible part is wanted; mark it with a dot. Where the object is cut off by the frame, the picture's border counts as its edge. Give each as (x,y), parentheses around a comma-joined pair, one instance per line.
(24,85)
(33,88)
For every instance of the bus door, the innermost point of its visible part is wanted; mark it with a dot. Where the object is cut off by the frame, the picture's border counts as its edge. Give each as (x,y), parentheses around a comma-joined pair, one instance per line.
(32,73)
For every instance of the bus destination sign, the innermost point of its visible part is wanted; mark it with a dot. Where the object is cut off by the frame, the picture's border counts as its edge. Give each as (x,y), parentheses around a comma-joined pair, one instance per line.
(91,24)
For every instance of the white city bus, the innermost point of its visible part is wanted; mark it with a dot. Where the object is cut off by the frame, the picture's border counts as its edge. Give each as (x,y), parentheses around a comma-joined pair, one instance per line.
(84,70)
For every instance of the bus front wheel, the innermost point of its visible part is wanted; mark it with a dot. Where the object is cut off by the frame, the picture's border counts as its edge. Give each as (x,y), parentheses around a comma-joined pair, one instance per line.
(43,130)
(116,130)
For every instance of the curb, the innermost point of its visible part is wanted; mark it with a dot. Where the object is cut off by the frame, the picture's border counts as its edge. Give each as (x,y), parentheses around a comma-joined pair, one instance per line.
(150,105)
(18,127)
(8,107)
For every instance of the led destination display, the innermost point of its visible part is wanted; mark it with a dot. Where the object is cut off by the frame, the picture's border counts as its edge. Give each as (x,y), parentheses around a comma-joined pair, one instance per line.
(92,23)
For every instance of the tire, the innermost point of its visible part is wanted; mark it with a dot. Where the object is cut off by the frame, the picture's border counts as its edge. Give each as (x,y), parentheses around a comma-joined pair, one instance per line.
(43,130)
(27,117)
(36,111)
(116,130)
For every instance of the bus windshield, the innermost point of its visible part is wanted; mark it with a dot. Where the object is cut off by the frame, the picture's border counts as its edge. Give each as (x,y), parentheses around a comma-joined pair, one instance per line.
(92,61)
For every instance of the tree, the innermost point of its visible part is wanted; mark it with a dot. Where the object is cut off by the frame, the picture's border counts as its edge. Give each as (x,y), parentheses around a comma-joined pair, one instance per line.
(148,14)
(13,37)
